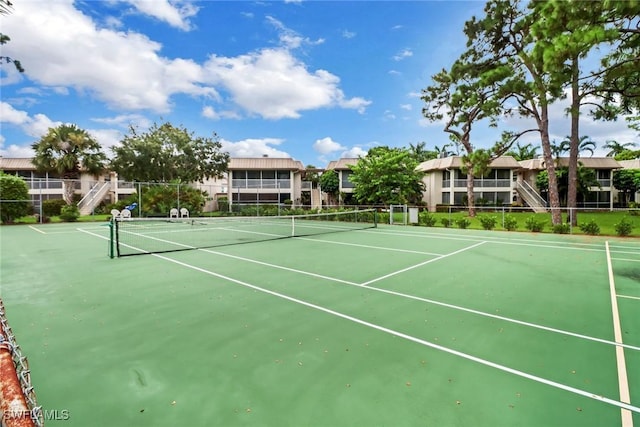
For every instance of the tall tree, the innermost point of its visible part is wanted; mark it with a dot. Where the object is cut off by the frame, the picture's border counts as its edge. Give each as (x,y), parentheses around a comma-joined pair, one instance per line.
(523,152)
(6,7)
(387,176)
(627,181)
(421,153)
(503,36)
(463,96)
(330,184)
(168,153)
(616,148)
(571,32)
(67,151)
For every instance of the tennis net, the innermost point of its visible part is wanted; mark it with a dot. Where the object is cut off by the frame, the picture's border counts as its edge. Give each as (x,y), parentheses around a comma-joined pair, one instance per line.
(138,236)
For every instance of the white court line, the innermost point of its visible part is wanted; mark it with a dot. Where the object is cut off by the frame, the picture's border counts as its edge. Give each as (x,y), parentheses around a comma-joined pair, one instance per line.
(280,267)
(35,229)
(420,264)
(420,341)
(627,296)
(416,298)
(623,381)
(626,259)
(368,246)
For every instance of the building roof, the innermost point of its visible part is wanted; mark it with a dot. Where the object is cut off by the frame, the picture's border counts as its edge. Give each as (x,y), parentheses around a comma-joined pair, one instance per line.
(587,162)
(630,164)
(455,162)
(15,164)
(264,163)
(342,164)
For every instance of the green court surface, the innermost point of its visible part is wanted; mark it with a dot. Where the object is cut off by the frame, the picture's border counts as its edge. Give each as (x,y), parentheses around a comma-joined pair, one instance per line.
(392,326)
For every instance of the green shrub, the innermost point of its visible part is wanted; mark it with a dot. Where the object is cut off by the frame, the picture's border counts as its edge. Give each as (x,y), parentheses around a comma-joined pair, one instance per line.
(69,213)
(510,223)
(463,222)
(15,193)
(624,227)
(446,222)
(633,209)
(561,228)
(488,222)
(223,204)
(590,227)
(53,207)
(425,218)
(532,224)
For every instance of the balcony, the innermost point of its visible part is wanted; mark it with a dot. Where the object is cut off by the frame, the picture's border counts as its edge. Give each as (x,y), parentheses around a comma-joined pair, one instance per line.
(274,184)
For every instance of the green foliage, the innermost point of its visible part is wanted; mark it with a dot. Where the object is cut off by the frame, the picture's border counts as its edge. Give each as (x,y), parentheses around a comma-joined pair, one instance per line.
(627,181)
(15,195)
(562,228)
(330,182)
(69,213)
(463,222)
(166,153)
(67,151)
(223,204)
(624,227)
(590,227)
(523,152)
(426,219)
(533,224)
(387,176)
(488,222)
(510,223)
(446,222)
(158,200)
(53,207)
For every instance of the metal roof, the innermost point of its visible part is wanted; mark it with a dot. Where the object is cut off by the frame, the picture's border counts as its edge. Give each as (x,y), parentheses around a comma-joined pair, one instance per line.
(15,164)
(587,162)
(342,164)
(455,162)
(630,164)
(264,163)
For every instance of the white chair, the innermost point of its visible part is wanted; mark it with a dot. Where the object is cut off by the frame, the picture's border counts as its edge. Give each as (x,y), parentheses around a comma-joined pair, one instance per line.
(115,213)
(125,214)
(173,213)
(184,213)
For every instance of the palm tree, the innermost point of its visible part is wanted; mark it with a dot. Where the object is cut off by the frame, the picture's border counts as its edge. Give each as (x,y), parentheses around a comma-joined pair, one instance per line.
(584,144)
(617,148)
(523,152)
(66,150)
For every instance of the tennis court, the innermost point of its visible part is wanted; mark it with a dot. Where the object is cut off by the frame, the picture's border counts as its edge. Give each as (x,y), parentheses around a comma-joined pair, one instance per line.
(388,326)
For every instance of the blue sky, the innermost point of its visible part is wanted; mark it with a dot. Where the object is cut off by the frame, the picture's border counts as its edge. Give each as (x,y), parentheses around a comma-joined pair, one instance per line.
(313,80)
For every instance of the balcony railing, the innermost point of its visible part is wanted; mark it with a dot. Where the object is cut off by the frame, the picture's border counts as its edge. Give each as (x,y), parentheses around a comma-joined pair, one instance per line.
(261,183)
(478,183)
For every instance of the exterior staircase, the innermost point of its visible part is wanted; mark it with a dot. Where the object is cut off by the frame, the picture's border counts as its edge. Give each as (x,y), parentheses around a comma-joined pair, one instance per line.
(93,197)
(531,197)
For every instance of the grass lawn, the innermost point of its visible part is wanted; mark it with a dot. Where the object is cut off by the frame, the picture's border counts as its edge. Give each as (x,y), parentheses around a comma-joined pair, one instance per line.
(604,219)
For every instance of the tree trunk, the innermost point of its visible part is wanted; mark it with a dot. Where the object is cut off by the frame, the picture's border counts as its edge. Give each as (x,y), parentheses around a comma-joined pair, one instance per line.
(572,190)
(68,190)
(470,199)
(554,198)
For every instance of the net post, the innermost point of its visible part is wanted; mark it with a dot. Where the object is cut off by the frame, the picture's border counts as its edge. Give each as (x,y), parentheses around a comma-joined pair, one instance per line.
(293,226)
(111,242)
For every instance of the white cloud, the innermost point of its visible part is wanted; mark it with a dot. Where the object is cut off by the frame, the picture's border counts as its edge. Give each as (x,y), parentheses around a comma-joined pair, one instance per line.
(124,121)
(354,152)
(407,107)
(327,145)
(123,69)
(174,13)
(210,113)
(126,71)
(404,53)
(290,38)
(272,83)
(254,147)
(348,34)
